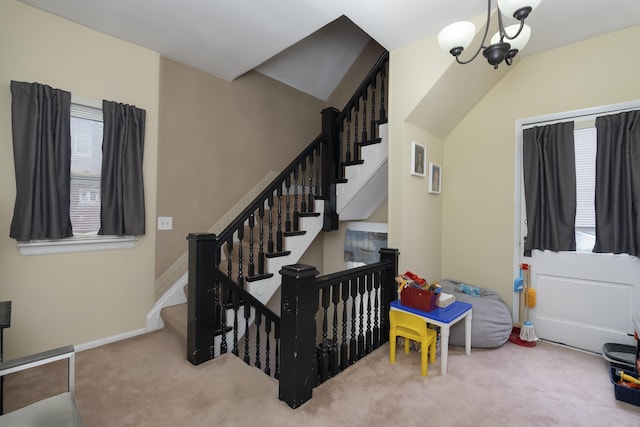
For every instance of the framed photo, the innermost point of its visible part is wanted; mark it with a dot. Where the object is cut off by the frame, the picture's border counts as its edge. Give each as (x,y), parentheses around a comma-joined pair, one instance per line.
(435,178)
(418,159)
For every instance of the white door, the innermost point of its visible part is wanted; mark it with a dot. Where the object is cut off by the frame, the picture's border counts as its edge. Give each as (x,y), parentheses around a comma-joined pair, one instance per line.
(582,299)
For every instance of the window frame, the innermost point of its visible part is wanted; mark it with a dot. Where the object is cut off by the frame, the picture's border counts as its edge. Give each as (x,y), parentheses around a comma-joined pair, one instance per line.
(580,117)
(80,243)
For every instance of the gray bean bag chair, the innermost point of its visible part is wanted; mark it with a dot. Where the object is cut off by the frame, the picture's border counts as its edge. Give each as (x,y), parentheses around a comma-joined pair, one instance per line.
(491,320)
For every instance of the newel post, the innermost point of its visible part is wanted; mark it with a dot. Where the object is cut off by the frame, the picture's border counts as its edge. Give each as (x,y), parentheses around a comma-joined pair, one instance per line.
(331,167)
(389,287)
(298,333)
(200,299)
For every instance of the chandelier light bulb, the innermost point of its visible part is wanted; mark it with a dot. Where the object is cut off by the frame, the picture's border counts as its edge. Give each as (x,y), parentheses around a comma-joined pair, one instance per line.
(517,43)
(457,35)
(510,7)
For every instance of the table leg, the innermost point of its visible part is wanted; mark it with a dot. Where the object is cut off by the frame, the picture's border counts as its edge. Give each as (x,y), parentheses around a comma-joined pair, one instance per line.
(444,349)
(467,333)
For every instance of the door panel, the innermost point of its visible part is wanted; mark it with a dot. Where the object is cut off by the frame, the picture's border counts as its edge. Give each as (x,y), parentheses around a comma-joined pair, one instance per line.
(584,300)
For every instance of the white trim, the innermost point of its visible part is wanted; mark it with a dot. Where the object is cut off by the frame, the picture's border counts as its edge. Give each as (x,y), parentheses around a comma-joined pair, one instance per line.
(376,227)
(174,296)
(585,114)
(582,115)
(88,102)
(109,340)
(76,244)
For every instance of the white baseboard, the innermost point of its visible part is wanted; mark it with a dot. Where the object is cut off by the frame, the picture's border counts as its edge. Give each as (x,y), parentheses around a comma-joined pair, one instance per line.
(109,340)
(175,295)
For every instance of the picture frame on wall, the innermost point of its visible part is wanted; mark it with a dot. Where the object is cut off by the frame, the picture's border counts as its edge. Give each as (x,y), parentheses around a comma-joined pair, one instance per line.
(435,178)
(418,159)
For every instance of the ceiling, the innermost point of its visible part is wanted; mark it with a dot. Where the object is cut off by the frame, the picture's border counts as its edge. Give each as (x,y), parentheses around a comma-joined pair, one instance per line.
(310,44)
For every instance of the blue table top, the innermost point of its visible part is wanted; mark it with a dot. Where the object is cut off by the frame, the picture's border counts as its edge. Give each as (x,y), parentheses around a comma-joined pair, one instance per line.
(444,315)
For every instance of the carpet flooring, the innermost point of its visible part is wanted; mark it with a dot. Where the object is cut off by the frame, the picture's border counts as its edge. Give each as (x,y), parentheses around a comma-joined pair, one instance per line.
(147,381)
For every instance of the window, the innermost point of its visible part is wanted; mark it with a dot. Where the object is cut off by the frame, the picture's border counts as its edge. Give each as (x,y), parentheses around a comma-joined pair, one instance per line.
(585,146)
(86,125)
(86,164)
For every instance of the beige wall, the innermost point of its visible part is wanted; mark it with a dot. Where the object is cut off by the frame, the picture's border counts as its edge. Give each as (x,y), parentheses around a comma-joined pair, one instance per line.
(217,140)
(467,232)
(73,298)
(414,214)
(478,226)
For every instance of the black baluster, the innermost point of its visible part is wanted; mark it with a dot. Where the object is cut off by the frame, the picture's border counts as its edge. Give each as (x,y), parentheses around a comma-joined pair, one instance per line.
(287,223)
(353,344)
(361,288)
(261,240)
(344,347)
(258,322)
(276,374)
(223,316)
(251,266)
(333,362)
(303,205)
(373,106)
(247,315)
(348,153)
(339,171)
(364,114)
(267,350)
(270,241)
(240,260)
(296,211)
(369,336)
(235,298)
(356,141)
(318,192)
(376,307)
(229,244)
(323,364)
(383,113)
(279,240)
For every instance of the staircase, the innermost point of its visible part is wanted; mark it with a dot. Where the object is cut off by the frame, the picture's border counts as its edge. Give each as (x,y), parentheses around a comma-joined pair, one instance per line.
(363,192)
(342,175)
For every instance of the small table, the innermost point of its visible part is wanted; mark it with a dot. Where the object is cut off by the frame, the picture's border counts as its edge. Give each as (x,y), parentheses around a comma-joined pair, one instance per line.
(445,318)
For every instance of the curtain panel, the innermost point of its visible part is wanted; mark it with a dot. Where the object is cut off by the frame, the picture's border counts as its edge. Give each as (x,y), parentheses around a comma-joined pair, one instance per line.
(550,187)
(617,197)
(40,120)
(122,188)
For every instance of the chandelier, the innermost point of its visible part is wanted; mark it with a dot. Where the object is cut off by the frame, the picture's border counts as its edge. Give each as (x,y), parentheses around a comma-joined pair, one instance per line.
(505,44)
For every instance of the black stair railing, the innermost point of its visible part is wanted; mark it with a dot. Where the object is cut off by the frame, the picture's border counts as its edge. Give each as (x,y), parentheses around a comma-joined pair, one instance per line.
(240,251)
(357,298)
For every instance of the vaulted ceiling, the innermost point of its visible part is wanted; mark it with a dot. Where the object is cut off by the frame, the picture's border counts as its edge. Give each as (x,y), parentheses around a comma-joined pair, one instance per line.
(310,44)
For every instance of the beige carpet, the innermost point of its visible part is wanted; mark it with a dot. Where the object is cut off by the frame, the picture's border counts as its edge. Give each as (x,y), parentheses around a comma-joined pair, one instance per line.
(147,381)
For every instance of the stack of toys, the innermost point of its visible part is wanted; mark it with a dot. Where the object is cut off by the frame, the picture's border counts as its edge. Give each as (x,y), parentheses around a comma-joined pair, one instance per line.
(416,292)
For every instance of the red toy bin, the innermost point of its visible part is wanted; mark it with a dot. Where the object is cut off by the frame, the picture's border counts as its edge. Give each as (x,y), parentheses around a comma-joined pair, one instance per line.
(420,299)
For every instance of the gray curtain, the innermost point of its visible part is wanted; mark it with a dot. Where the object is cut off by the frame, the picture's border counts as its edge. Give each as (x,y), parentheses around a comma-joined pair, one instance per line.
(617,195)
(40,119)
(550,187)
(122,188)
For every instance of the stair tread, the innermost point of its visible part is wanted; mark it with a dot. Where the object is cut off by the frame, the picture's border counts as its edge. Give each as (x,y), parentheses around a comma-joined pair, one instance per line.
(175,320)
(353,162)
(371,142)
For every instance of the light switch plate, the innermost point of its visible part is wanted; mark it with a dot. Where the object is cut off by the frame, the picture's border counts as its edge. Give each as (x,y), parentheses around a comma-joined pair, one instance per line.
(165,223)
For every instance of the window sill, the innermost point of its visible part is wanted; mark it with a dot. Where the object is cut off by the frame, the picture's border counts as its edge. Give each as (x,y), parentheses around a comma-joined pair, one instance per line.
(76,244)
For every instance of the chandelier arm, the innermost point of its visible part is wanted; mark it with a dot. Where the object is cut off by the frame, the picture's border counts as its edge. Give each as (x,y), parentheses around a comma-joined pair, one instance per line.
(503,32)
(484,38)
